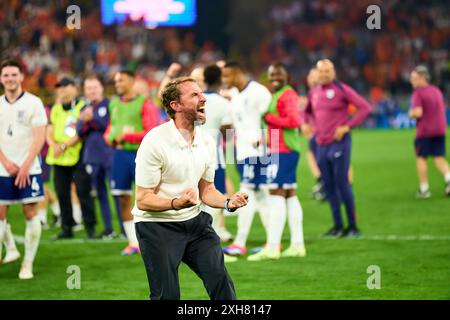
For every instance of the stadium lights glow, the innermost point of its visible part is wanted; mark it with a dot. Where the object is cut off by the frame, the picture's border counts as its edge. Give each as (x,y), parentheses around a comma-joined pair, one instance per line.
(151,11)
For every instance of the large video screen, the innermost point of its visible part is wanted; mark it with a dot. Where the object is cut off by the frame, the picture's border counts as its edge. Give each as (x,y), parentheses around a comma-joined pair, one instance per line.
(155,13)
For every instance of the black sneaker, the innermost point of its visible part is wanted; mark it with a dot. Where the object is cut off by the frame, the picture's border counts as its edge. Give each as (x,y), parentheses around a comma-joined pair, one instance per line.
(335,232)
(423,194)
(352,232)
(90,232)
(63,235)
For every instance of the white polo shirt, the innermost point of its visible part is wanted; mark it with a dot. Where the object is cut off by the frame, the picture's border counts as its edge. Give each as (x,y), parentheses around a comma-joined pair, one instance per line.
(165,161)
(248,107)
(17,121)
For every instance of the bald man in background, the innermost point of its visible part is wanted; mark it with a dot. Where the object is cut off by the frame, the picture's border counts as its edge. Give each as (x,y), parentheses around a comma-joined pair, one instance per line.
(328,107)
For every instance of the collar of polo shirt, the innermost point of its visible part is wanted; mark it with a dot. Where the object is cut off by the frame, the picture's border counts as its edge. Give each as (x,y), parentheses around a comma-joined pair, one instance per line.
(181,141)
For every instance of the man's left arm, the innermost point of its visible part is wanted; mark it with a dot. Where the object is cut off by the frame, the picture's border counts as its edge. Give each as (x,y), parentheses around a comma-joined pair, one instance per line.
(207,190)
(23,176)
(416,110)
(215,199)
(363,107)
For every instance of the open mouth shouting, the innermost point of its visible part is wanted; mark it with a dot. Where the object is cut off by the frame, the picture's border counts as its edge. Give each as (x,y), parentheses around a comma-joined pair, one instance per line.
(201,114)
(201,109)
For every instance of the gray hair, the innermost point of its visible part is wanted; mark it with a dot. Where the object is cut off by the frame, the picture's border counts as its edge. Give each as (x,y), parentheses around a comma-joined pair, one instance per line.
(423,72)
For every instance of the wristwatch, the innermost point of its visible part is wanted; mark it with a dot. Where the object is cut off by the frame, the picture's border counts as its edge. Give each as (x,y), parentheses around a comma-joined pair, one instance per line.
(226,206)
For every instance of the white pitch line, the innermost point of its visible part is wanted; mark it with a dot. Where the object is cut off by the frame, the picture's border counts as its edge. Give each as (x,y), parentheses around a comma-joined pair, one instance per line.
(389,237)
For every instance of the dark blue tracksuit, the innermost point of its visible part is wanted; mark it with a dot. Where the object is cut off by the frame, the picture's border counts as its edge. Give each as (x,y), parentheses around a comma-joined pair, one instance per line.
(97,155)
(334,162)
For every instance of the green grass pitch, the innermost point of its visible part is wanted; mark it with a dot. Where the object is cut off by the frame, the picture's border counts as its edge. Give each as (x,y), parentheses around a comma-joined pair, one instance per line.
(408,239)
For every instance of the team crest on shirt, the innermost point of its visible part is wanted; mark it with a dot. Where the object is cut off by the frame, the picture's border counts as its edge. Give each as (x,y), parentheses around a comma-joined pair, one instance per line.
(21,116)
(102,112)
(330,93)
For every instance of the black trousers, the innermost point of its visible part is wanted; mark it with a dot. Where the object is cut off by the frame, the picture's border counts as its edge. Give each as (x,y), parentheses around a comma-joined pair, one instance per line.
(63,177)
(165,244)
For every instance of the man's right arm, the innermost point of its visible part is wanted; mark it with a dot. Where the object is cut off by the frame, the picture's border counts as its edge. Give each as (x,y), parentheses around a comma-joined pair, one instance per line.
(148,200)
(416,110)
(9,166)
(305,116)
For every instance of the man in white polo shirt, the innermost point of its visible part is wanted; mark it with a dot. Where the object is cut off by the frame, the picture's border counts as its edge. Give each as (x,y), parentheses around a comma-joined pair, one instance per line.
(22,136)
(174,176)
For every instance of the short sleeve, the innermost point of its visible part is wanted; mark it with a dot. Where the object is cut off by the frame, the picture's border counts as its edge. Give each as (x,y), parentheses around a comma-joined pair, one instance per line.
(265,97)
(226,114)
(39,116)
(210,167)
(148,164)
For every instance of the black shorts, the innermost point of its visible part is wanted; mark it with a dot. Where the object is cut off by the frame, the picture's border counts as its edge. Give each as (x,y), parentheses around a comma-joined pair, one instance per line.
(430,147)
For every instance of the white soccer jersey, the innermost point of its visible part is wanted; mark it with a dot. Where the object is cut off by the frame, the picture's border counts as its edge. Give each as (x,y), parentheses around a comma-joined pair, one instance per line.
(218,114)
(17,121)
(248,107)
(217,110)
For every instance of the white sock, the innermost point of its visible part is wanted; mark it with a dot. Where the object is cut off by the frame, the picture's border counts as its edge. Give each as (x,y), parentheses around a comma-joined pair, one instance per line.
(8,240)
(3,227)
(295,219)
(262,198)
(77,215)
(55,208)
(42,214)
(130,231)
(277,221)
(424,186)
(245,219)
(447,177)
(32,237)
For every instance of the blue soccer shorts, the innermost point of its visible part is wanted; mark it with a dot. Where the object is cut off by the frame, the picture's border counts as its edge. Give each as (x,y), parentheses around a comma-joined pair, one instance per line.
(10,194)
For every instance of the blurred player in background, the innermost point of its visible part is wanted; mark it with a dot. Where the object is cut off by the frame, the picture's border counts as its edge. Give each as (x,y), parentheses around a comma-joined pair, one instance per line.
(249,101)
(218,120)
(50,197)
(97,155)
(131,117)
(328,105)
(64,154)
(283,120)
(22,135)
(318,191)
(428,108)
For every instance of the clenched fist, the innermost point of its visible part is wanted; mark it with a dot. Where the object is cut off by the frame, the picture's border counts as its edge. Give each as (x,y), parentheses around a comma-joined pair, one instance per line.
(188,199)
(238,200)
